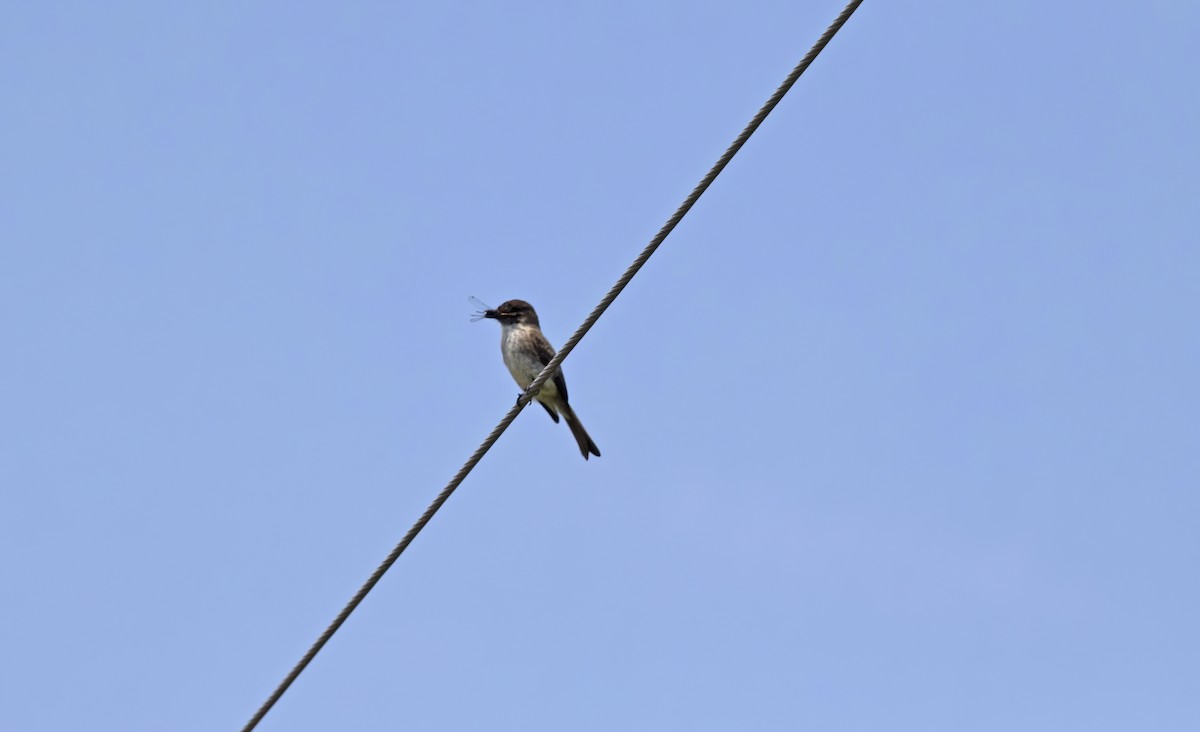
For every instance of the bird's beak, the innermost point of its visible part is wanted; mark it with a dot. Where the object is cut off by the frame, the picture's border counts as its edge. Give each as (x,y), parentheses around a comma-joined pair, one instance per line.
(491,314)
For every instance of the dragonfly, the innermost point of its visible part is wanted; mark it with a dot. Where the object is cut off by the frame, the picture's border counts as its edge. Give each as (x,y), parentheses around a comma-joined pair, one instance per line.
(481,309)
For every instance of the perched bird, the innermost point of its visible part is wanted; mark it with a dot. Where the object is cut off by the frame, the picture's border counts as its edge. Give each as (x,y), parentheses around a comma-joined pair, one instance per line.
(526,352)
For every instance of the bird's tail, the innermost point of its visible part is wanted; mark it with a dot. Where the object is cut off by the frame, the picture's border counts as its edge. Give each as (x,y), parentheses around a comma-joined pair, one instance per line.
(581,436)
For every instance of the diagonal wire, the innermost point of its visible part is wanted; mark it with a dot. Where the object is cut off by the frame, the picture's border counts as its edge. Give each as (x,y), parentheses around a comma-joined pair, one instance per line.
(551,367)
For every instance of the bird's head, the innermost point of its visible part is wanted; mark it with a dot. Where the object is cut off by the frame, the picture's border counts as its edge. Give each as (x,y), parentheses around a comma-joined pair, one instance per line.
(513,312)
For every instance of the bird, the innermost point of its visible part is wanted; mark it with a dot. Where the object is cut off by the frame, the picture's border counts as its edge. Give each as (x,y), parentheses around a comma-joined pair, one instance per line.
(526,352)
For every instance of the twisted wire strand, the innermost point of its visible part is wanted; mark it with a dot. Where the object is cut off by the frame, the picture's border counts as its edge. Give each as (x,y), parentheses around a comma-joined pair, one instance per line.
(555,362)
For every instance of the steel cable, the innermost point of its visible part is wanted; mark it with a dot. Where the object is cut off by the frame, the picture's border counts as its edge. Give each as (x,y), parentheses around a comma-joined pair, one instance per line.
(555,362)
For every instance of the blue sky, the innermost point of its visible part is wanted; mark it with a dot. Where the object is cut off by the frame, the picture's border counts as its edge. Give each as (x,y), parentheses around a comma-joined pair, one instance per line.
(899,428)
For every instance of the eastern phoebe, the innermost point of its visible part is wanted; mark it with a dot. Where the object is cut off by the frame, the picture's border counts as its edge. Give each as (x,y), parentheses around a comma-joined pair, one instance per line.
(526,352)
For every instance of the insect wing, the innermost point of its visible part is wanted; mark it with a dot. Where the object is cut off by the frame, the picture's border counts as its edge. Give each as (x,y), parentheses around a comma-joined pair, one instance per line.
(481,309)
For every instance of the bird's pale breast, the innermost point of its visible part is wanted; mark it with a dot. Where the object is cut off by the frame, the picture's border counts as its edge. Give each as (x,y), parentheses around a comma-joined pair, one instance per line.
(520,356)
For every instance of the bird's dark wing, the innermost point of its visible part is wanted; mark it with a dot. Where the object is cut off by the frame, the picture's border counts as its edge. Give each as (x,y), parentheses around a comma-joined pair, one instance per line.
(545,352)
(561,383)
